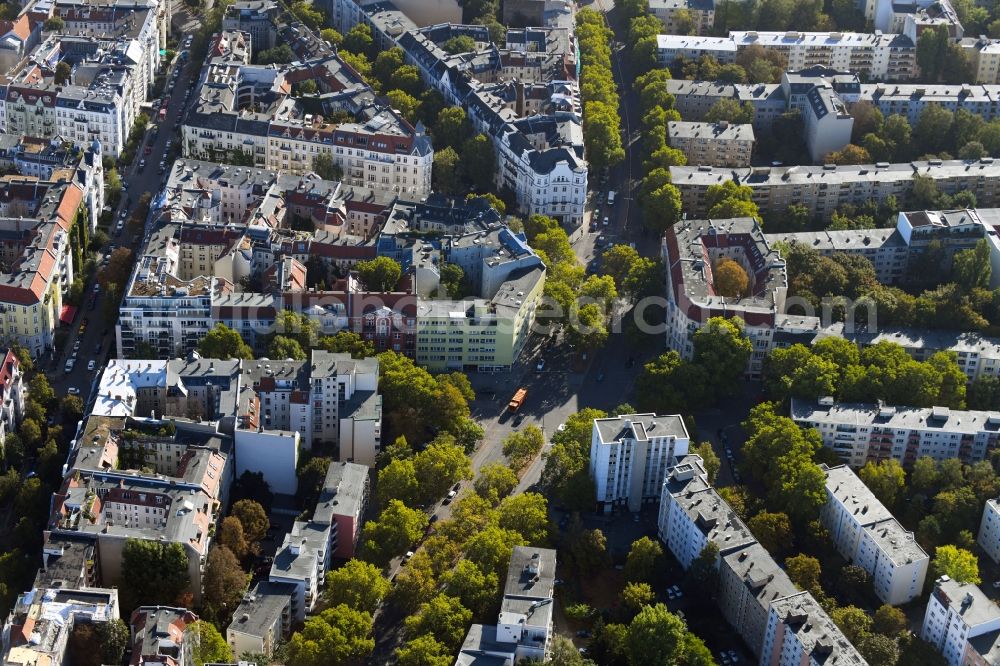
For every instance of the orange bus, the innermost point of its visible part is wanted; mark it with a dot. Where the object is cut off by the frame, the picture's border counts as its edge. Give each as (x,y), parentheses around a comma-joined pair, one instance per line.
(518,399)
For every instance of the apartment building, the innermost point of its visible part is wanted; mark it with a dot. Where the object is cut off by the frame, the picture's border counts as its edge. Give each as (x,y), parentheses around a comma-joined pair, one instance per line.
(978,356)
(301,563)
(691,249)
(860,432)
(11,394)
(718,143)
(524,624)
(865,533)
(106,500)
(51,160)
(962,623)
(878,56)
(255,111)
(144,21)
(262,620)
(539,146)
(670,47)
(37,219)
(754,593)
(821,189)
(988,536)
(256,18)
(891,250)
(629,457)
(317,399)
(342,502)
(984,55)
(67,562)
(480,334)
(692,514)
(819,93)
(749,580)
(693,99)
(702,13)
(17,38)
(110,76)
(875,56)
(800,632)
(39,626)
(910,100)
(222,225)
(160,636)
(827,122)
(911,17)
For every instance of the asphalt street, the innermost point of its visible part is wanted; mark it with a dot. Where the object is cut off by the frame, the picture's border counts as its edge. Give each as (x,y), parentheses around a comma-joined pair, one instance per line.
(97,338)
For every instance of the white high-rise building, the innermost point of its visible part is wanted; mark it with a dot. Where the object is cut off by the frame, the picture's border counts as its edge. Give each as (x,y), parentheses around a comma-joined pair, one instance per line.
(866,534)
(630,454)
(957,613)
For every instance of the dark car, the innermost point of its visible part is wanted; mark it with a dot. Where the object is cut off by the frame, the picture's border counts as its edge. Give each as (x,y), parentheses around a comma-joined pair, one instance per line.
(457,486)
(518,419)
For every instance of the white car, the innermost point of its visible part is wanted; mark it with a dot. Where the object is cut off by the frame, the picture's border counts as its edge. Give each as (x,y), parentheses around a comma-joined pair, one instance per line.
(91,364)
(69,365)
(540,365)
(562,427)
(72,390)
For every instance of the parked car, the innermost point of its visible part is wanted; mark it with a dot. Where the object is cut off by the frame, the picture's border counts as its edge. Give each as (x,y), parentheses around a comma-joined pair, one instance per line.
(91,365)
(69,365)
(540,365)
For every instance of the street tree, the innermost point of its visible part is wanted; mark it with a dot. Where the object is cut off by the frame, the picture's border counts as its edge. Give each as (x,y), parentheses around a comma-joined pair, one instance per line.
(525,514)
(391,535)
(414,584)
(424,650)
(337,635)
(521,447)
(495,482)
(443,617)
(398,481)
(491,547)
(722,348)
(439,466)
(358,585)
(475,589)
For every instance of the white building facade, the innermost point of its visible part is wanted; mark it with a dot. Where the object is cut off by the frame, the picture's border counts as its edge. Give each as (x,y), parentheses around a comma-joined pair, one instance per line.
(630,454)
